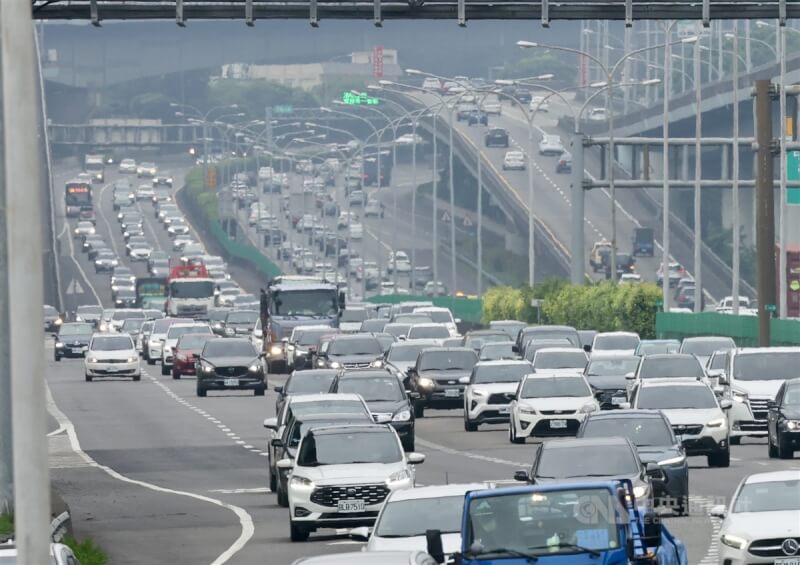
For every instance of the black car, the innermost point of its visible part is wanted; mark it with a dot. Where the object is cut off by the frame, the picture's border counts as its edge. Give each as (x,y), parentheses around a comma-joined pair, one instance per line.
(606,376)
(301,347)
(351,352)
(522,96)
(580,460)
(125,298)
(496,137)
(439,377)
(313,381)
(240,322)
(385,397)
(230,364)
(652,435)
(477,117)
(783,421)
(72,340)
(163,179)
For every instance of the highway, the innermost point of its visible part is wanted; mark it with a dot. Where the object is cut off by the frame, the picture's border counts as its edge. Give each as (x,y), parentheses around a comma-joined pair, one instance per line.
(157,475)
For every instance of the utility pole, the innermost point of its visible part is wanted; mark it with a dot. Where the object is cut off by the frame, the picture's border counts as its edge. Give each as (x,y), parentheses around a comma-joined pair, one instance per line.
(765,210)
(577,210)
(735,186)
(698,171)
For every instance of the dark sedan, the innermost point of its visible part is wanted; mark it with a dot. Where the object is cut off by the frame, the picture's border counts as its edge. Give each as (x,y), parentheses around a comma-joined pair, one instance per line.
(240,322)
(783,421)
(313,381)
(474,118)
(606,376)
(352,352)
(440,376)
(72,340)
(651,434)
(230,364)
(496,137)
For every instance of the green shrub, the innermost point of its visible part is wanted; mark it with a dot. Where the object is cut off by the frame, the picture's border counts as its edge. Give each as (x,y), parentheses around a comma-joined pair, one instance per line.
(87,552)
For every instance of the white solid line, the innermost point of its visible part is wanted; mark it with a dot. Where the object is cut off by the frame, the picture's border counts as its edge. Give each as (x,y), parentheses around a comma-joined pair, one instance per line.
(245,520)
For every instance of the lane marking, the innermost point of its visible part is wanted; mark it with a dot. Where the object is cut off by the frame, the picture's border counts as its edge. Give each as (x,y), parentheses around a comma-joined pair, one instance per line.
(245,520)
(470,455)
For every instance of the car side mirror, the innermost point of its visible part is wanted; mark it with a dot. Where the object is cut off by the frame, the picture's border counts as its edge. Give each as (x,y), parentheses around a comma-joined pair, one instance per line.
(653,471)
(276,442)
(271,423)
(278,389)
(360,534)
(587,348)
(413,395)
(433,543)
(285,464)
(723,379)
(415,458)
(717,511)
(726,403)
(629,376)
(522,476)
(463,380)
(515,349)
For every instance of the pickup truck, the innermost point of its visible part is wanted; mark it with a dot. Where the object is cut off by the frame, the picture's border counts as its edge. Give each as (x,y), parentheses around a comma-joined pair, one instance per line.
(592,523)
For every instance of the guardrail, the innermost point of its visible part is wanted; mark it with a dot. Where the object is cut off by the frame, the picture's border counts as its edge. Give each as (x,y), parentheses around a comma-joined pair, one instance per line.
(743,329)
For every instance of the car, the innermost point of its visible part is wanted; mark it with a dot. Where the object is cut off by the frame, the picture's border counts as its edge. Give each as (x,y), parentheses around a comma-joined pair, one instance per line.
(313,381)
(88,313)
(402,355)
(492,386)
(550,145)
(52,318)
(105,261)
(84,229)
(163,178)
(431,83)
(439,315)
(373,208)
(367,455)
(173,334)
(352,352)
(408,514)
(440,376)
(118,317)
(385,396)
(464,109)
(127,166)
(621,343)
(111,355)
(762,524)
(357,198)
(652,436)
(186,352)
(476,339)
(368,558)
(435,288)
(230,364)
(703,347)
(529,333)
(301,345)
(492,107)
(146,170)
(477,117)
(598,115)
(564,163)
(510,327)
(539,104)
(428,332)
(400,261)
(783,421)
(514,160)
(351,319)
(657,346)
(660,366)
(606,375)
(72,340)
(153,348)
(356,230)
(696,415)
(145,192)
(609,458)
(549,405)
(497,351)
(240,322)
(125,298)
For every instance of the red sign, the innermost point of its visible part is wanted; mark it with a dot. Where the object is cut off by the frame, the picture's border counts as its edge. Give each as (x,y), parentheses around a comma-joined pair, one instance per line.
(377,62)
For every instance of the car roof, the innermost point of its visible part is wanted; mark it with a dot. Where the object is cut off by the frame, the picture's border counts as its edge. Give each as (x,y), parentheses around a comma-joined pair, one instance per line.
(671,356)
(364,428)
(628,413)
(363,558)
(364,372)
(630,334)
(606,356)
(755,350)
(573,443)
(560,350)
(502,363)
(325,396)
(707,338)
(773,476)
(673,381)
(435,491)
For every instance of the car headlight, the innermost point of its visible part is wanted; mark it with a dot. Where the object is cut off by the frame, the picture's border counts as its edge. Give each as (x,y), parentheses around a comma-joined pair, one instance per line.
(716,423)
(206,368)
(673,460)
(59,321)
(790,424)
(587,408)
(641,491)
(290,347)
(229,331)
(91,359)
(425,382)
(733,541)
(335,365)
(59,344)
(302,483)
(402,416)
(478,393)
(398,477)
(254,368)
(377,363)
(739,396)
(103,327)
(527,410)
(131,360)
(275,350)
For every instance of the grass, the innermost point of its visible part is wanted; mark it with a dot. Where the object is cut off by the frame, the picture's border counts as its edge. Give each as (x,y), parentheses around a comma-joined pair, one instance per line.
(87,551)
(6,524)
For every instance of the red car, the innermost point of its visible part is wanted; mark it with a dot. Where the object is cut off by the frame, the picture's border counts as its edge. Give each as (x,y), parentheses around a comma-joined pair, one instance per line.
(186,352)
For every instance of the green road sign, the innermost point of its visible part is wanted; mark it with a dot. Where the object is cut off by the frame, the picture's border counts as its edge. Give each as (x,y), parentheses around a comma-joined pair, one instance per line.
(283,109)
(770,308)
(793,173)
(360,99)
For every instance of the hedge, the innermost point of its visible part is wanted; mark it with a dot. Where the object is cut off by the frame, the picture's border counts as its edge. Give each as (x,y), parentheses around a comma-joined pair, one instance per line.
(603,306)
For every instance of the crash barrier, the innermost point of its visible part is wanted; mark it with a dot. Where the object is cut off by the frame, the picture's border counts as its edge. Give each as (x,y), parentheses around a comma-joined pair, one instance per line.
(468,310)
(244,252)
(743,329)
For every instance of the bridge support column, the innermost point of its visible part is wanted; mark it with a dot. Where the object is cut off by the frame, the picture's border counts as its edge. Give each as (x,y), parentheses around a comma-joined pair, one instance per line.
(517,242)
(577,239)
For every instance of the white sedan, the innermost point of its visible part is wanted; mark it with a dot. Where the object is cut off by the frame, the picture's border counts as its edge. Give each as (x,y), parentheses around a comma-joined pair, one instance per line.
(514,160)
(112,355)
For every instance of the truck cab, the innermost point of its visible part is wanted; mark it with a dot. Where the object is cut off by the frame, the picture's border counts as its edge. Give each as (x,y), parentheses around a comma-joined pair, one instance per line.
(190,291)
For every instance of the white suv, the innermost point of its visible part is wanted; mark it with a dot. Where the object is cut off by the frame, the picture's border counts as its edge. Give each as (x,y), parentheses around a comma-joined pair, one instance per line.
(492,387)
(697,417)
(550,405)
(342,476)
(112,355)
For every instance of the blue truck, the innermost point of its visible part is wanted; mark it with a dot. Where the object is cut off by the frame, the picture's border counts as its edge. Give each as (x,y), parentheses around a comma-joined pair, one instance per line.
(592,523)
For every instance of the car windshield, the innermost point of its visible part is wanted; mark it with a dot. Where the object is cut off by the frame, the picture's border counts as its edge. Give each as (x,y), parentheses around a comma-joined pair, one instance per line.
(328,406)
(397,330)
(612,367)
(605,460)
(407,518)
(311,337)
(707,346)
(478,341)
(242,317)
(549,333)
(447,360)
(497,351)
(529,523)
(132,325)
(506,373)
(676,398)
(374,325)
(609,342)
(174,332)
(193,341)
(309,382)
(191,289)
(377,388)
(349,447)
(75,329)
(305,303)
(791,396)
(656,347)
(353,315)
(670,367)
(122,315)
(772,496)
(428,332)
(355,346)
(405,352)
(641,431)
(719,361)
(161,326)
(552,387)
(439,316)
(559,360)
(89,310)
(112,343)
(766,366)
(228,348)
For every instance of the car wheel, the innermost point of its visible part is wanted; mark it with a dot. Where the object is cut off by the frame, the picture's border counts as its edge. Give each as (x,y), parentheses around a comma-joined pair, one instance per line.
(771,449)
(201,391)
(57,357)
(137,378)
(164,369)
(88,378)
(151,361)
(259,390)
(736,440)
(470,426)
(283,497)
(512,434)
(408,444)
(297,533)
(784,450)
(722,459)
(273,481)
(175,374)
(419,409)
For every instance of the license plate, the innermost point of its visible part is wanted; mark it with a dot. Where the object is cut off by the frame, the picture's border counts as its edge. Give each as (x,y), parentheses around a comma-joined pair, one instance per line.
(77,350)
(617,400)
(351,506)
(787,561)
(505,410)
(111,370)
(558,424)
(451,392)
(231,382)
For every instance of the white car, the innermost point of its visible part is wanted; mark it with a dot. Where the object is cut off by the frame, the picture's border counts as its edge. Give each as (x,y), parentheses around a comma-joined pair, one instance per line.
(84,228)
(616,343)
(431,83)
(440,315)
(435,332)
(492,386)
(697,417)
(181,241)
(145,192)
(539,104)
(598,115)
(547,406)
(112,355)
(399,259)
(368,271)
(127,166)
(762,524)
(61,554)
(373,208)
(343,473)
(356,231)
(226,296)
(409,513)
(514,160)
(174,333)
(178,228)
(492,107)
(345,219)
(567,360)
(551,145)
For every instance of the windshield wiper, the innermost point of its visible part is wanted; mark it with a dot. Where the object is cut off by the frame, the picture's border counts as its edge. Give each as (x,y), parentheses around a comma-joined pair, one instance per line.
(477,552)
(560,545)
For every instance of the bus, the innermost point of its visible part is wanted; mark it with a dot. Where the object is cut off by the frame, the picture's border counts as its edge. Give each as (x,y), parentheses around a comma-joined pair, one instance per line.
(77,197)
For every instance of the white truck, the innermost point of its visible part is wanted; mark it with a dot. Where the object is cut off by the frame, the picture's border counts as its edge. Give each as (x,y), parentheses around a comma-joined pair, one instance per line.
(94,165)
(190,291)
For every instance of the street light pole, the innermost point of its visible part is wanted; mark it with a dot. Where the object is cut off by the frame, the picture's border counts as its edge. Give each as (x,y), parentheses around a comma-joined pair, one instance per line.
(735,181)
(665,173)
(698,159)
(783,227)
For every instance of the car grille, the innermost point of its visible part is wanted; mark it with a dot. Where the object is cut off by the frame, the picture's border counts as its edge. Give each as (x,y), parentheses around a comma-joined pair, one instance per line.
(446,382)
(348,516)
(684,429)
(557,412)
(192,309)
(759,408)
(769,547)
(356,365)
(231,371)
(112,361)
(501,398)
(330,496)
